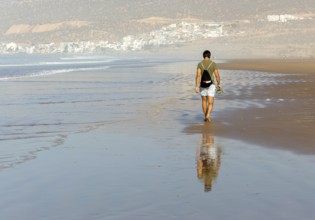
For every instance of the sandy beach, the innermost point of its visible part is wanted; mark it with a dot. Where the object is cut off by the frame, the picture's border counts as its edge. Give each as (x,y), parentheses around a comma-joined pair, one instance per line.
(297,66)
(100,119)
(138,148)
(291,113)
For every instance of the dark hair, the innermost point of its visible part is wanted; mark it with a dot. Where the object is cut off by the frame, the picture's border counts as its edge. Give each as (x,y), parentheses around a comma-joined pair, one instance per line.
(206,53)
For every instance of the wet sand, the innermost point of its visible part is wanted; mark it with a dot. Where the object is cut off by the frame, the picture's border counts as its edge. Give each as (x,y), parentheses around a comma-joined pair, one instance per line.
(288,123)
(298,66)
(155,158)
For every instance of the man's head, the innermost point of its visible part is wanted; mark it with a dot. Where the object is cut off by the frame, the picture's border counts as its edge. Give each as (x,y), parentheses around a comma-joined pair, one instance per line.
(206,53)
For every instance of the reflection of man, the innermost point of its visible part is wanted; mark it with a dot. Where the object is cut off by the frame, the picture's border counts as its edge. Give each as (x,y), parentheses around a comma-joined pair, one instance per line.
(208,158)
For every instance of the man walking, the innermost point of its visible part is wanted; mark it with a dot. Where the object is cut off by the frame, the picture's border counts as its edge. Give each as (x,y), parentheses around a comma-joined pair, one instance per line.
(206,71)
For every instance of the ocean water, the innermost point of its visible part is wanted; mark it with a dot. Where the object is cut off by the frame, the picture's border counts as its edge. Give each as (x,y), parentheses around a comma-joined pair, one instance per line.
(46,98)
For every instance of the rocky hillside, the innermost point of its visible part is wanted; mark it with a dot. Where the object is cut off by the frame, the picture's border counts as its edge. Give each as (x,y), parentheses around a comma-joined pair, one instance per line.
(44,21)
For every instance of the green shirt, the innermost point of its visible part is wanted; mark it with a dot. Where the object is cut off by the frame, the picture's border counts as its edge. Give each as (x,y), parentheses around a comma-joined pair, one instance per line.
(211,69)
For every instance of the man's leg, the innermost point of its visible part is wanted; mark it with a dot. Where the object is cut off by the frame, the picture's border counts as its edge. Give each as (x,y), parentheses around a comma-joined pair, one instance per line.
(209,102)
(204,105)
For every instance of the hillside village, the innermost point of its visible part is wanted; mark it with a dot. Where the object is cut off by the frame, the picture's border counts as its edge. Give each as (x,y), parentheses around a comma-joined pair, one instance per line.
(173,34)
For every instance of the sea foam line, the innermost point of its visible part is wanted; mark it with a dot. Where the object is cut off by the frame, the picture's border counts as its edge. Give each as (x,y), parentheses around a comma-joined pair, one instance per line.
(57,63)
(51,72)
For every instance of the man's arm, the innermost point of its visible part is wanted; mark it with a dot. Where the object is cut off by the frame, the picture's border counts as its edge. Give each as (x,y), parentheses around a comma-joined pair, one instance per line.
(197,80)
(217,77)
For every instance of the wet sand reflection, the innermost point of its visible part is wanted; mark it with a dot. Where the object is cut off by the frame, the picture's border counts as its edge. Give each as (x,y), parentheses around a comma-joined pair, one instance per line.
(208,159)
(208,154)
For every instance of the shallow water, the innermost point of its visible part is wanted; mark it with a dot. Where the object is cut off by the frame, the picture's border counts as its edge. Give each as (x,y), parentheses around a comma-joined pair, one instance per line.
(38,111)
(153,173)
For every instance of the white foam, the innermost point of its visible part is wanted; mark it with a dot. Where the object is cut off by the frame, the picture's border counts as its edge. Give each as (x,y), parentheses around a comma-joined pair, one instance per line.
(76,62)
(51,72)
(58,63)
(21,64)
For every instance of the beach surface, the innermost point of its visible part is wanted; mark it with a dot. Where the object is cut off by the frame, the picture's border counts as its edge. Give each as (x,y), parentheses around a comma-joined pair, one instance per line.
(128,141)
(290,98)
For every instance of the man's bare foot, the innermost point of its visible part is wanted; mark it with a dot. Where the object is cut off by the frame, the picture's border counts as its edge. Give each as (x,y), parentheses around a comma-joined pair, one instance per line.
(207,120)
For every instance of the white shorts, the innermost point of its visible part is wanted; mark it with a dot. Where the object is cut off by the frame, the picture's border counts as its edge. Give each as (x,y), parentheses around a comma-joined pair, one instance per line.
(210,91)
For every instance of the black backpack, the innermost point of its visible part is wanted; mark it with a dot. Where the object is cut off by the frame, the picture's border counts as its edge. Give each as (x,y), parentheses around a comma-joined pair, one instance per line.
(205,81)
